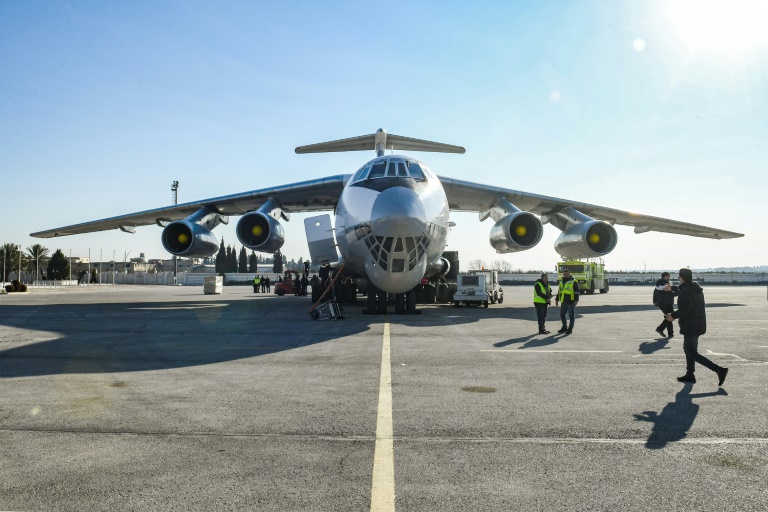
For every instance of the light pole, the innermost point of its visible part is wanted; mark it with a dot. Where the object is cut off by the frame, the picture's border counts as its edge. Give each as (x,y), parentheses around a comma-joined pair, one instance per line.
(175,190)
(19,263)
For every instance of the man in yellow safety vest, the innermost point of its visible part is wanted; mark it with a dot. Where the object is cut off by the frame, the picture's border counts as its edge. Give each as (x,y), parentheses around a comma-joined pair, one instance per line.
(568,296)
(542,297)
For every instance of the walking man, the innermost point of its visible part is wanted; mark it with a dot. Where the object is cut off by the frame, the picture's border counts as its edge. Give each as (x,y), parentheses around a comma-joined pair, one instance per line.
(542,297)
(568,296)
(664,298)
(693,323)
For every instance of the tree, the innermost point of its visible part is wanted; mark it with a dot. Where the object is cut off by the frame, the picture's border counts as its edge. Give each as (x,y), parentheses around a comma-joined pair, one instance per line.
(38,257)
(277,262)
(9,260)
(231,259)
(502,265)
(252,265)
(58,266)
(476,264)
(242,261)
(221,258)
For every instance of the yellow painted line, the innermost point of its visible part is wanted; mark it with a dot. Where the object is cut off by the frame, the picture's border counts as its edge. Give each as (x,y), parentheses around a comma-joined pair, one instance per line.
(383,481)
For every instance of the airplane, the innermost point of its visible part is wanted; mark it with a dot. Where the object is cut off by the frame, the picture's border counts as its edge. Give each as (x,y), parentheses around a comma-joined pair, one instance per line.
(392,219)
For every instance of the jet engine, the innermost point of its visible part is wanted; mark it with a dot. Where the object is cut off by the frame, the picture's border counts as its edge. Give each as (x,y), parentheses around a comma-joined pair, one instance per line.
(518,231)
(192,237)
(185,238)
(260,232)
(438,268)
(586,240)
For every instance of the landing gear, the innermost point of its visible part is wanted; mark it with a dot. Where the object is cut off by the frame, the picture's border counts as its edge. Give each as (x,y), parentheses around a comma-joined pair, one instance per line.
(377,301)
(400,303)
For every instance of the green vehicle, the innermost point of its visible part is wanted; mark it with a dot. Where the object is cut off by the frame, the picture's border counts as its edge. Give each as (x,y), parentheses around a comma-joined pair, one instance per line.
(590,274)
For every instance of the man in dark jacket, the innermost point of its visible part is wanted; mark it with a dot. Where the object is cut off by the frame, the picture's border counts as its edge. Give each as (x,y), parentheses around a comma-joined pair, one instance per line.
(693,323)
(542,297)
(664,298)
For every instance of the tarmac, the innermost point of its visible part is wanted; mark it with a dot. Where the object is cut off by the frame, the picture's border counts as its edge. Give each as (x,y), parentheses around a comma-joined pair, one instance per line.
(163,398)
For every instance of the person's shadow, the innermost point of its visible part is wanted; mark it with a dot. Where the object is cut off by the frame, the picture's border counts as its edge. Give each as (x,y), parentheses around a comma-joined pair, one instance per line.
(676,419)
(531,341)
(649,347)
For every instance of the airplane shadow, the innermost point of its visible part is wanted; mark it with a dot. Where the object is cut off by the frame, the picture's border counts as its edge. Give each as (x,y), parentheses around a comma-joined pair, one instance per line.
(676,419)
(109,337)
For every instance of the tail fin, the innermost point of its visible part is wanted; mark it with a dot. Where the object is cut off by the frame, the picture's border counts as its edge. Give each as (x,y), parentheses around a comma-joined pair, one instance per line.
(379,142)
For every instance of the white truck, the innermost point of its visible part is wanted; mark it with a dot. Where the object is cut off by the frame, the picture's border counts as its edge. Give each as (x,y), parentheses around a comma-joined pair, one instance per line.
(477,287)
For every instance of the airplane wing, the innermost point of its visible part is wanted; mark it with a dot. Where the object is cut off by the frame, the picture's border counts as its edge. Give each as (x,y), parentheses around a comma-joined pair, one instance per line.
(474,197)
(306,196)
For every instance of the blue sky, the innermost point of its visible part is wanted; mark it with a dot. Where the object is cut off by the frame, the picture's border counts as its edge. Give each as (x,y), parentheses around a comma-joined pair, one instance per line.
(633,105)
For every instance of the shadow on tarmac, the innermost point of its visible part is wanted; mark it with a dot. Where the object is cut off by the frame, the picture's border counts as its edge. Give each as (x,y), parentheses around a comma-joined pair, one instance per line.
(649,347)
(109,337)
(676,419)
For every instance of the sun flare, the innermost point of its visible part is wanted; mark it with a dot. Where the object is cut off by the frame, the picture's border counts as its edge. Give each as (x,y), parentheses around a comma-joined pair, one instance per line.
(730,29)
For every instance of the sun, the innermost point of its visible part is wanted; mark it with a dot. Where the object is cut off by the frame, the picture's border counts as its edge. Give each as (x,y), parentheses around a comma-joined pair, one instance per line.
(730,29)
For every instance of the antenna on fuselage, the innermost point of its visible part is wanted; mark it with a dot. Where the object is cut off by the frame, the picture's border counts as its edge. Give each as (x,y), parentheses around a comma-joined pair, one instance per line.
(379,142)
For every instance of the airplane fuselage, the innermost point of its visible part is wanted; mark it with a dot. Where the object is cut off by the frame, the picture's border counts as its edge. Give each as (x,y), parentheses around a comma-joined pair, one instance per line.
(392,222)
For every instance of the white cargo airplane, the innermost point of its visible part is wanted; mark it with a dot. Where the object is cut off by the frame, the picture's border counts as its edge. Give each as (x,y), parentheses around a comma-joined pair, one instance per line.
(392,218)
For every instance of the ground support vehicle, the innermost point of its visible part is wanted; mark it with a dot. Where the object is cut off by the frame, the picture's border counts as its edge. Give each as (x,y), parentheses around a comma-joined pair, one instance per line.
(589,273)
(478,287)
(287,286)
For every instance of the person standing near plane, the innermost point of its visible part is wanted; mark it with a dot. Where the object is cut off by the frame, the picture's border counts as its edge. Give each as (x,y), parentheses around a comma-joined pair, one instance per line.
(664,298)
(568,296)
(692,316)
(255,284)
(542,297)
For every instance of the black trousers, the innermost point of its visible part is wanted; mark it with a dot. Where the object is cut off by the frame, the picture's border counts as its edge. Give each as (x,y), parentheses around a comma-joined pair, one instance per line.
(665,325)
(541,314)
(692,356)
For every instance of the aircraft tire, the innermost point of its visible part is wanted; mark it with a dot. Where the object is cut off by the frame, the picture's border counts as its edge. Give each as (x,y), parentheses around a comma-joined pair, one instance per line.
(400,303)
(410,301)
(381,301)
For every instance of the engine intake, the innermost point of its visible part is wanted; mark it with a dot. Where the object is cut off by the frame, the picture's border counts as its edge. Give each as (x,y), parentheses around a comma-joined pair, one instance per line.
(586,240)
(516,232)
(185,238)
(260,232)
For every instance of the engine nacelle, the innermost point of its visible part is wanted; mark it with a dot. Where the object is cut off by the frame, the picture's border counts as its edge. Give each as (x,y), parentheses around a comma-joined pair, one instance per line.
(586,240)
(186,238)
(516,232)
(260,232)
(438,268)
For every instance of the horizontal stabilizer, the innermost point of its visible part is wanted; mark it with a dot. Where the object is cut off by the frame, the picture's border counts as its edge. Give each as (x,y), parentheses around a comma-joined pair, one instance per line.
(379,142)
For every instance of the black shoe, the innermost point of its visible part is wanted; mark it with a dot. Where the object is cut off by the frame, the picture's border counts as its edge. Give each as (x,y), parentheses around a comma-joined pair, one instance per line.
(722,374)
(569,331)
(660,331)
(562,330)
(687,378)
(671,335)
(543,331)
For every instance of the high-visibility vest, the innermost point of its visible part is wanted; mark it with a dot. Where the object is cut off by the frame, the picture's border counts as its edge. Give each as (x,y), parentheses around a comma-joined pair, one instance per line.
(564,288)
(546,291)
(256,280)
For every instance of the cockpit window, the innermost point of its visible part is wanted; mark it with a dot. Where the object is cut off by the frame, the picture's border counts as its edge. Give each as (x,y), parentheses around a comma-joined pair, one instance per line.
(360,175)
(394,168)
(377,171)
(416,171)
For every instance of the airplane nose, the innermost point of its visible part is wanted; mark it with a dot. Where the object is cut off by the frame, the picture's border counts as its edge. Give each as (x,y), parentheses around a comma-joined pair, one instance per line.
(398,211)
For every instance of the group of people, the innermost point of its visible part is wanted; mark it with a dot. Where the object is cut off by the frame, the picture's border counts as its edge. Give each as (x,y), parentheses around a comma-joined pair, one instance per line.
(262,284)
(690,313)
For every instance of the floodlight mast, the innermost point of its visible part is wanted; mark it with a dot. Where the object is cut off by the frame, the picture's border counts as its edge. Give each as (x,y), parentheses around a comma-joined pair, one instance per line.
(175,190)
